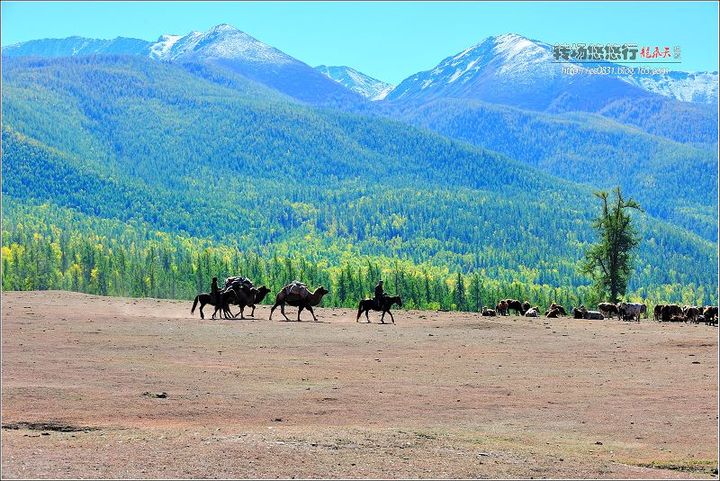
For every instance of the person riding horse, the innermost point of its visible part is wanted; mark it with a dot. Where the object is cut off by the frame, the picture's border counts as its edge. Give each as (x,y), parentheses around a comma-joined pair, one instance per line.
(215,291)
(379,293)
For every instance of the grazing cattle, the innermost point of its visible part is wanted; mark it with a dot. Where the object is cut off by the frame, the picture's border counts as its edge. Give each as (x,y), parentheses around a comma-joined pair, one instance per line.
(631,310)
(502,308)
(670,310)
(488,312)
(526,306)
(561,309)
(608,309)
(553,313)
(711,314)
(594,315)
(532,312)
(514,305)
(691,313)
(657,312)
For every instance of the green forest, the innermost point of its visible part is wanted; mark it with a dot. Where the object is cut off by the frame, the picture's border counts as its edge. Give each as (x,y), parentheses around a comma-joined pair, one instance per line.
(127,177)
(52,248)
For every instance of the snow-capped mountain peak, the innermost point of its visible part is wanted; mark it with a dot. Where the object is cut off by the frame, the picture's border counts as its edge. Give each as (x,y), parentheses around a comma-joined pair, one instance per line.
(368,87)
(510,58)
(220,42)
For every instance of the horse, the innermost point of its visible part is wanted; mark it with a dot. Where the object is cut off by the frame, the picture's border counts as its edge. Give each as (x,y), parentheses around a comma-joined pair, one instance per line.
(226,297)
(247,297)
(300,302)
(367,304)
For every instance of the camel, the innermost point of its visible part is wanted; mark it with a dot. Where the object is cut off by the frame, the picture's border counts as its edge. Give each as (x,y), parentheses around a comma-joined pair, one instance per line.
(299,301)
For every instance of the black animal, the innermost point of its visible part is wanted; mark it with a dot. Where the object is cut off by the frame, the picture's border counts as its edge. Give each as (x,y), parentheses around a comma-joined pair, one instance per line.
(502,308)
(552,313)
(608,309)
(691,313)
(514,305)
(710,313)
(226,297)
(670,310)
(247,297)
(526,306)
(367,305)
(300,301)
(559,308)
(657,312)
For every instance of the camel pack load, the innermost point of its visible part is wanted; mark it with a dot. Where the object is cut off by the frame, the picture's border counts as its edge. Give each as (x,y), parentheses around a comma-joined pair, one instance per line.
(238,282)
(296,289)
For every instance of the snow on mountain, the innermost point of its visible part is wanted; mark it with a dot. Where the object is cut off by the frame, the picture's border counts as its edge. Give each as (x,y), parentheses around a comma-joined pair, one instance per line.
(229,48)
(700,87)
(508,69)
(74,46)
(161,49)
(220,42)
(369,87)
(513,70)
(506,57)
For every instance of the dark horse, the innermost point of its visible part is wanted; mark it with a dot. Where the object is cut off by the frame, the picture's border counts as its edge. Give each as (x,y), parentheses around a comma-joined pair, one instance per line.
(226,298)
(387,302)
(247,297)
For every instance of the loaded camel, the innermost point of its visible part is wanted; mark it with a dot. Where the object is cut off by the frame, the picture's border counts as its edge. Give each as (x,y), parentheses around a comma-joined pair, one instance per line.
(296,294)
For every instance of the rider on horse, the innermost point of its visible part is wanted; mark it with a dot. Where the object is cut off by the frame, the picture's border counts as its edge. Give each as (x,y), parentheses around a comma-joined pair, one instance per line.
(215,291)
(379,294)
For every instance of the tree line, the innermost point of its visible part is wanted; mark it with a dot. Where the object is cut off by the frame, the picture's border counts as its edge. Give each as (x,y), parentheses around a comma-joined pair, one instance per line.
(105,257)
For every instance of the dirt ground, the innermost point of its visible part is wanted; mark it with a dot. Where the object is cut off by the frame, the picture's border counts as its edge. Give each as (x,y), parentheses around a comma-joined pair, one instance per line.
(436,395)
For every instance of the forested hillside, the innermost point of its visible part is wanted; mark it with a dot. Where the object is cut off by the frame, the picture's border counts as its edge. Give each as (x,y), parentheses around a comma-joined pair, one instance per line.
(590,149)
(123,175)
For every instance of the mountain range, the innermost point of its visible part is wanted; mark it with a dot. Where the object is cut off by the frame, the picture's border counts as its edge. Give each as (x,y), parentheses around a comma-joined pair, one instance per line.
(486,162)
(509,61)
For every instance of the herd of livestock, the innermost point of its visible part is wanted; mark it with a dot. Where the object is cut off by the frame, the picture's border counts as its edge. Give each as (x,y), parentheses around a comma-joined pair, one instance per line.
(627,311)
(240,291)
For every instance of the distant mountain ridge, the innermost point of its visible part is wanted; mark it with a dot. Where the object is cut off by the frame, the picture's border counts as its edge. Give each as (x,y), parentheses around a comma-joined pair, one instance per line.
(700,87)
(513,70)
(222,45)
(367,86)
(73,46)
(504,69)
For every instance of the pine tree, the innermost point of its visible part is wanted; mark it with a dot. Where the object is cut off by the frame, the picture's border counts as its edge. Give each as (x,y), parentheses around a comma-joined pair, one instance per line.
(610,261)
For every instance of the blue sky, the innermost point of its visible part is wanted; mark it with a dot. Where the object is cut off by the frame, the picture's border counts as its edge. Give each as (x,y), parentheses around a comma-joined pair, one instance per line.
(388,40)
